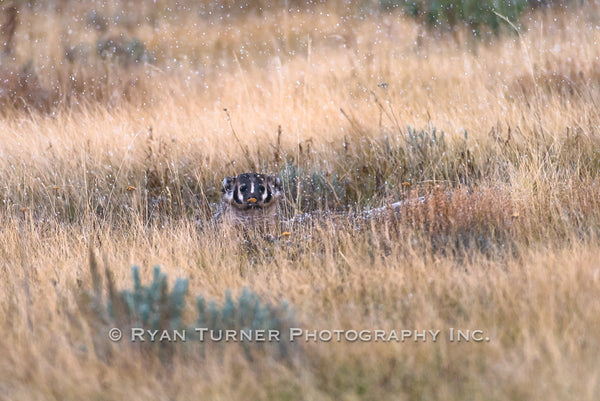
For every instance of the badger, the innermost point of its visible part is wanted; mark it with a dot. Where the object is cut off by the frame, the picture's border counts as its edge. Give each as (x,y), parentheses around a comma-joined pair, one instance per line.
(250,200)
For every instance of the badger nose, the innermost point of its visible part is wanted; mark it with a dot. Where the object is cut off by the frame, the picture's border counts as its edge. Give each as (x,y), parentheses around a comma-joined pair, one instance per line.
(251,200)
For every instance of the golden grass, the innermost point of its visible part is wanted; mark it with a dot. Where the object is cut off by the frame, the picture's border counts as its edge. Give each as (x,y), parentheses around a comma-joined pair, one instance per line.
(506,240)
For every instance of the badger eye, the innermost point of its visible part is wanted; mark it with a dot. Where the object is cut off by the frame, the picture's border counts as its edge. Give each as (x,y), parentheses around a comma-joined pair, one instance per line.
(261,189)
(244,188)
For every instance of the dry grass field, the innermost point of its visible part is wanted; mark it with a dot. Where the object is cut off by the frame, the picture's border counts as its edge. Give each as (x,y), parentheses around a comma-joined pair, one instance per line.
(114,141)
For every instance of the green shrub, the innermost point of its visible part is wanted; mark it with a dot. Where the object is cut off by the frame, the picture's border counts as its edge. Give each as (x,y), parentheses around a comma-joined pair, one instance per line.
(150,306)
(123,50)
(249,313)
(367,171)
(476,15)
(155,307)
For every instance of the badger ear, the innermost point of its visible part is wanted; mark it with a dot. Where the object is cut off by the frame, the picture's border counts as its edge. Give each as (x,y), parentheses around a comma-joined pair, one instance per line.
(274,181)
(228,183)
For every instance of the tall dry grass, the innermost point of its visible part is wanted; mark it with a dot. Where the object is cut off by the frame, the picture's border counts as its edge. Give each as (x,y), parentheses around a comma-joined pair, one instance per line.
(118,142)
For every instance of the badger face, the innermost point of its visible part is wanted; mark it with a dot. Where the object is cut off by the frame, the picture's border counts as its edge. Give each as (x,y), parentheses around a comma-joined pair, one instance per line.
(251,191)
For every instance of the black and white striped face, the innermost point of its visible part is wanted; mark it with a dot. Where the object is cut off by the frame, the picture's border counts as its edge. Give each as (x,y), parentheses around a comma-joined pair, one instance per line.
(251,190)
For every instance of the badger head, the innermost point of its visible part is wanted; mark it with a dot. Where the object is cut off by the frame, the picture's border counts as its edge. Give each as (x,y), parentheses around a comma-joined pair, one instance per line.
(251,190)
